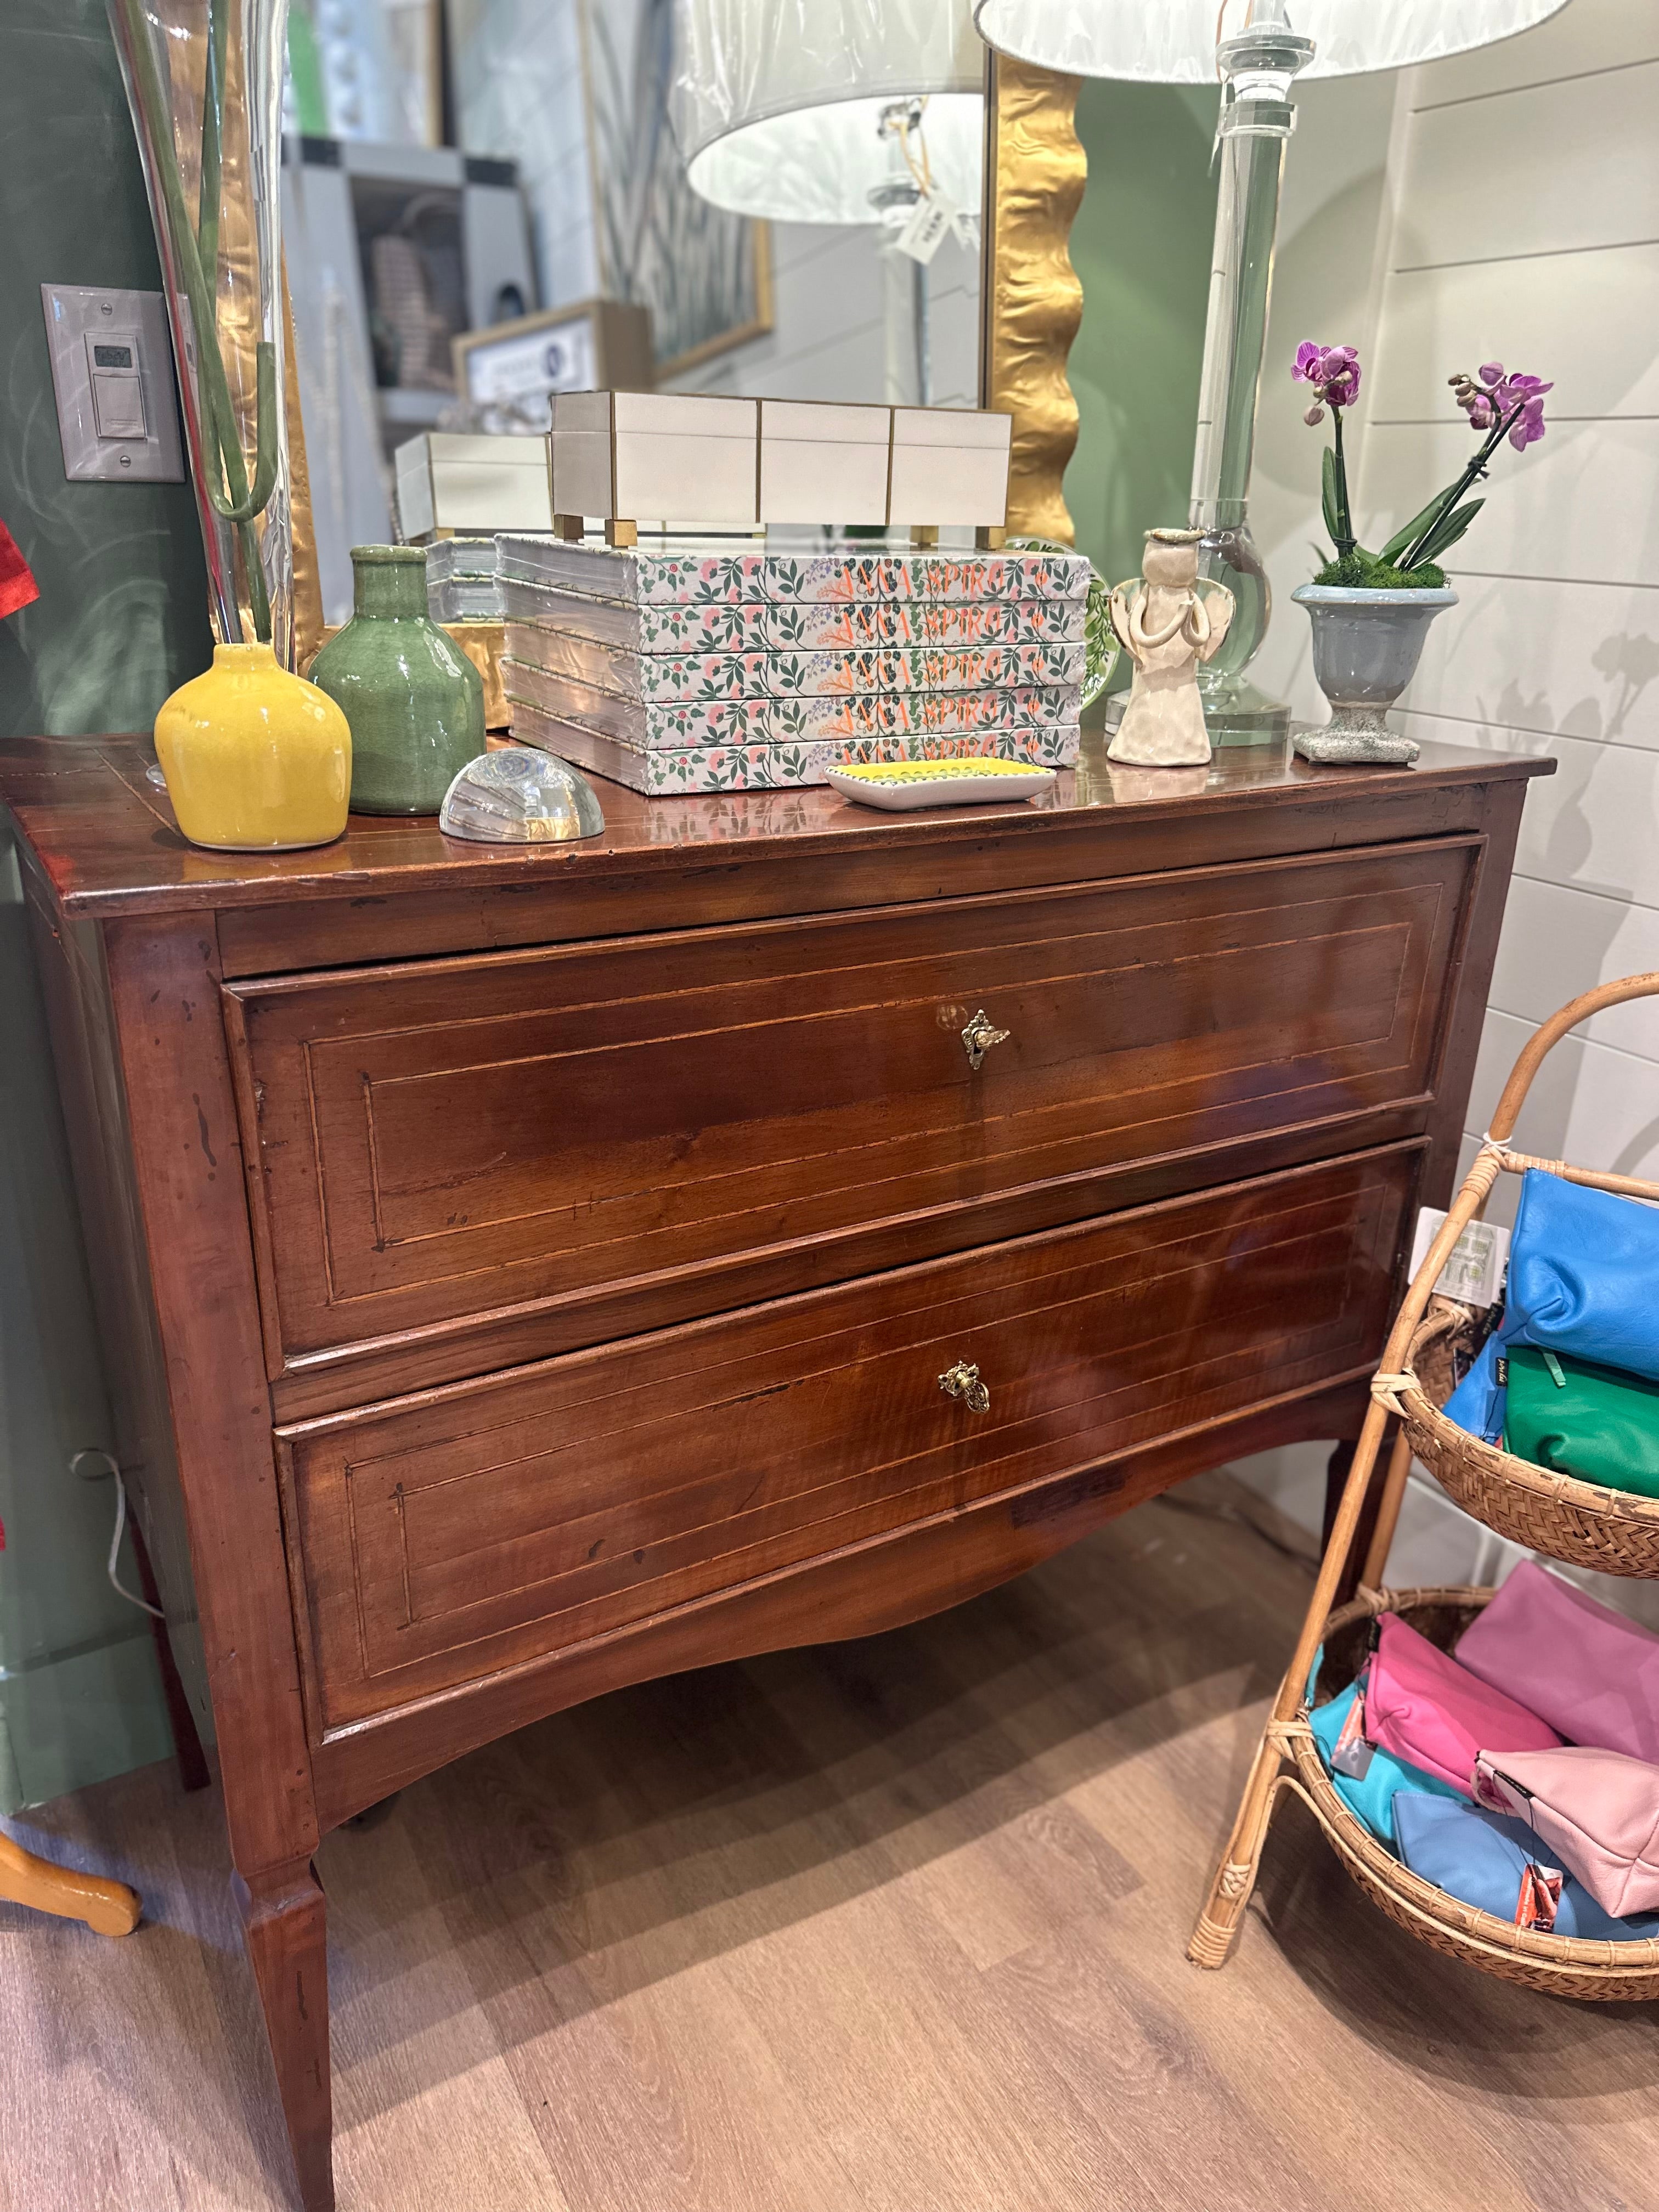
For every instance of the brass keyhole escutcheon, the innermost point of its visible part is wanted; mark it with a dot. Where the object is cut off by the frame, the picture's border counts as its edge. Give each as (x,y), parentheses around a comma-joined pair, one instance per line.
(981,1034)
(962,1382)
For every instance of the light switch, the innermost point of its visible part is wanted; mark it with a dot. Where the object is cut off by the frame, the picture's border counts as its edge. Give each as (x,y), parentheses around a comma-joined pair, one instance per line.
(112,373)
(117,390)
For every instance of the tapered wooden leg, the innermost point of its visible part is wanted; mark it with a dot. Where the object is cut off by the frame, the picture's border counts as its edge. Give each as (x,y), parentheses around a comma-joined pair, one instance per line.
(109,1908)
(282,1925)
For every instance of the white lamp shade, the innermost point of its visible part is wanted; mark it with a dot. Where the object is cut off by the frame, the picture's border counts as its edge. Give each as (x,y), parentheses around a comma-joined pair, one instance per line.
(778,102)
(1174,41)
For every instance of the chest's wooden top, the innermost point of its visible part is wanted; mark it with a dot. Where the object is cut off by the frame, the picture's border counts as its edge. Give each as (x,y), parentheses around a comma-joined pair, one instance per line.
(106,836)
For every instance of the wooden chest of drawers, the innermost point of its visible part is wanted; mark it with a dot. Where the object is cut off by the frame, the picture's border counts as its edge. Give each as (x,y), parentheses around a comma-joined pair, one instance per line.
(525,1272)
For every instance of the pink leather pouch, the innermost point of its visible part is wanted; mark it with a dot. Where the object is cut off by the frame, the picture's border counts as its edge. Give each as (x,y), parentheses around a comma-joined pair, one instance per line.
(1597,1810)
(1425,1708)
(1591,1674)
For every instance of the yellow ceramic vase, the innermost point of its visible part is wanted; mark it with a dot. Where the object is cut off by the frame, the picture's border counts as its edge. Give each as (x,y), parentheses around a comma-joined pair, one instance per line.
(256,760)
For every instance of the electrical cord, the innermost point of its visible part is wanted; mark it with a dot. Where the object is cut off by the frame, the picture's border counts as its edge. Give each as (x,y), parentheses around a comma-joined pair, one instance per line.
(93,1451)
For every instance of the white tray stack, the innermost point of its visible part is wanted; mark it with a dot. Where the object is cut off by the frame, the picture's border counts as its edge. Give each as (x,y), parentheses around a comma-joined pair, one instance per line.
(721,666)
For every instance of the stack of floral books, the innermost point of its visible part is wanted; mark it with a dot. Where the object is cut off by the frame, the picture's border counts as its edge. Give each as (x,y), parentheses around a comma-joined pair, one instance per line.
(708,669)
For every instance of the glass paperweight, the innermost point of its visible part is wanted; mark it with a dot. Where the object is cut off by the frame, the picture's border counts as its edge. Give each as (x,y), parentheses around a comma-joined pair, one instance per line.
(520,798)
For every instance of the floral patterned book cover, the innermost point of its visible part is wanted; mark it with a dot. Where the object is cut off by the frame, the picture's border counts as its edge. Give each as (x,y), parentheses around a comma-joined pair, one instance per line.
(800,625)
(693,769)
(692,676)
(655,724)
(690,575)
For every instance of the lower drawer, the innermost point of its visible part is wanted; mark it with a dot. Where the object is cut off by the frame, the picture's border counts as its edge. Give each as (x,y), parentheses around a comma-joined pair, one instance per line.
(440,1538)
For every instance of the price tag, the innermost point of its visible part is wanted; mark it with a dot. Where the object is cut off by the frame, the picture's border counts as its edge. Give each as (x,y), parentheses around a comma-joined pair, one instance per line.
(924,234)
(1474,1273)
(1353,1753)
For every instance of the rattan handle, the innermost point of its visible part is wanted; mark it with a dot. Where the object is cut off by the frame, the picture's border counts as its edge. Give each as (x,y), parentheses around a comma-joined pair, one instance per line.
(1533,1054)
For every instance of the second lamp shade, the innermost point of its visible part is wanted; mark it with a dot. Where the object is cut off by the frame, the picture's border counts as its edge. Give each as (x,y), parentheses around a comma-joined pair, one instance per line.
(778,103)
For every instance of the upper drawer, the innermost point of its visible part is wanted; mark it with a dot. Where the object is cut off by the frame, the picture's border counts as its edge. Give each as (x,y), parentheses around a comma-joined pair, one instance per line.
(445,1536)
(456,1138)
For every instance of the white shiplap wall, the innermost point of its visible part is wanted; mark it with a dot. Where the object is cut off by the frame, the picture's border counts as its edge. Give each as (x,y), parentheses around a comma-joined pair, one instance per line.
(1519,222)
(1526,229)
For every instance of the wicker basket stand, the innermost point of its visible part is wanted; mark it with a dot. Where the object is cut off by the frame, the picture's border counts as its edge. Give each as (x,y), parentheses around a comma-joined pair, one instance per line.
(1578,1523)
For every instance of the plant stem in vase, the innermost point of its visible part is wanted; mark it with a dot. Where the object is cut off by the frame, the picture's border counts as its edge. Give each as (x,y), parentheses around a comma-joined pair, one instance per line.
(203,81)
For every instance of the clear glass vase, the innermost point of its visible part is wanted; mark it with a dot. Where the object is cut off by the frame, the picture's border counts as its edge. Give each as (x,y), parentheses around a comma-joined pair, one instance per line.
(203,79)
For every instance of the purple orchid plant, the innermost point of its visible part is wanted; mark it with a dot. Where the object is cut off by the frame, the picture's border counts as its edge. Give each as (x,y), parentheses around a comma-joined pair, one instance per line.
(1498,402)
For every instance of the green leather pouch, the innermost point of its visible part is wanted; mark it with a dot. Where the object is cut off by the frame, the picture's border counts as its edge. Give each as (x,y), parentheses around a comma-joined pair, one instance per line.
(1574,1417)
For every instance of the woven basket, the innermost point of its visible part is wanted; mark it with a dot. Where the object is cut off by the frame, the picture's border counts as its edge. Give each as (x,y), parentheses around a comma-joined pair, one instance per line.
(1560,1965)
(1578,1521)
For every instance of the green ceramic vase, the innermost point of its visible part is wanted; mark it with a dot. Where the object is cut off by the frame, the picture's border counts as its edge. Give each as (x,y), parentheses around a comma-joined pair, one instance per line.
(414,700)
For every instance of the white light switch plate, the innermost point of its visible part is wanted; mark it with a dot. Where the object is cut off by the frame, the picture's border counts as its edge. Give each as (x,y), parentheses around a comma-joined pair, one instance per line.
(81,318)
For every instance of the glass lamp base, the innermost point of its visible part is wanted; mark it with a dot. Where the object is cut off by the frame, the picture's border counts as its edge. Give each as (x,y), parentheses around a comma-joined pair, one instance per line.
(1235,712)
(1238,713)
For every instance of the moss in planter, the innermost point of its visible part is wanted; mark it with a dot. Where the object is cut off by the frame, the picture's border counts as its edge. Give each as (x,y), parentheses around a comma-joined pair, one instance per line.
(1360,571)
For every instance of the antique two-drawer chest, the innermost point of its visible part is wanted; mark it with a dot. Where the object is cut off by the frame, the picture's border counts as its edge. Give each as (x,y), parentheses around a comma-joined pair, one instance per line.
(528,1271)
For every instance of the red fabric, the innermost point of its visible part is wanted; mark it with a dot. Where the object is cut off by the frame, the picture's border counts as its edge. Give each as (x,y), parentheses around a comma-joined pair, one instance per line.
(17,584)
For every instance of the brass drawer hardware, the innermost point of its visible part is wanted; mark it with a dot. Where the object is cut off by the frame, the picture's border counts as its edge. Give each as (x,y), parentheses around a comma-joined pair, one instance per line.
(980,1035)
(962,1382)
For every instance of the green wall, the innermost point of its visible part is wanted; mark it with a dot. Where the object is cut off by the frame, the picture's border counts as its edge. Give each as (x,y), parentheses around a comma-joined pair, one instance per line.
(1141,245)
(121,620)
(121,616)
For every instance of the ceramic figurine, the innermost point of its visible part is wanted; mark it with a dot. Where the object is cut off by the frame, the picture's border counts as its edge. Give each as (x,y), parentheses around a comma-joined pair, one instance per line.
(256,761)
(1168,622)
(413,699)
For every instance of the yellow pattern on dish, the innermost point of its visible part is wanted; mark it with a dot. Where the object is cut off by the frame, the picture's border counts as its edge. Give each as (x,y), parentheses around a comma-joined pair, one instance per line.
(928,771)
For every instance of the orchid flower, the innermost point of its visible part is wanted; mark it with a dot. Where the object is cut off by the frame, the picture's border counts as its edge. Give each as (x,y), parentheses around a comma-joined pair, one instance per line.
(1333,371)
(1499,402)
(1496,394)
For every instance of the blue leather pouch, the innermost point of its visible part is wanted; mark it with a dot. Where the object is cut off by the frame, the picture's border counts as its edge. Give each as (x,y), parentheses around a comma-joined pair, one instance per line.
(1583,1279)
(1482,1858)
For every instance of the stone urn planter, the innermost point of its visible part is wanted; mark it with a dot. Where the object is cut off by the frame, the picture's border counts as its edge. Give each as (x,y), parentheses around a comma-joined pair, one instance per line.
(1366,646)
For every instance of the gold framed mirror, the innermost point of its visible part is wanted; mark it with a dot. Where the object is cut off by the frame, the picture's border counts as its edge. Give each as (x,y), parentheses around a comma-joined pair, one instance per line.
(1022,321)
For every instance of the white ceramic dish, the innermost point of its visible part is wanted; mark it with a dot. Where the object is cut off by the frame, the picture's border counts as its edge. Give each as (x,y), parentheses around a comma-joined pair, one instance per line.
(899,785)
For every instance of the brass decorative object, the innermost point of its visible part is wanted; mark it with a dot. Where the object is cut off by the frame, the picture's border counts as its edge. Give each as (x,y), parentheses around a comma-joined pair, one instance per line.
(1035,170)
(962,1382)
(980,1035)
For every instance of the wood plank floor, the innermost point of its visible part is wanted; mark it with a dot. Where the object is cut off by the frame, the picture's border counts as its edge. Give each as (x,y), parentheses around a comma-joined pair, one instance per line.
(893,1926)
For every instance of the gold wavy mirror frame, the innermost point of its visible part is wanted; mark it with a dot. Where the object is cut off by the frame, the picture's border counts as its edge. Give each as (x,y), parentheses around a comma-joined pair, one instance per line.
(1032,300)
(1031,306)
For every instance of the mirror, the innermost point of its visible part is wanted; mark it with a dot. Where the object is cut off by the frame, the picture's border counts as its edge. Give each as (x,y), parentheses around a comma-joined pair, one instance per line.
(489,201)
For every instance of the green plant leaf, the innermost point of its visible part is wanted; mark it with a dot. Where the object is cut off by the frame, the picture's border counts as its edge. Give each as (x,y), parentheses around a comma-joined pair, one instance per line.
(1328,497)
(1447,532)
(1401,538)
